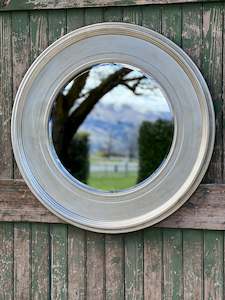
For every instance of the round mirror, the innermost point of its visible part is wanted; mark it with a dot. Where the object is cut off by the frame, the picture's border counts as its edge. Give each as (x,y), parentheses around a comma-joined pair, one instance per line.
(111,126)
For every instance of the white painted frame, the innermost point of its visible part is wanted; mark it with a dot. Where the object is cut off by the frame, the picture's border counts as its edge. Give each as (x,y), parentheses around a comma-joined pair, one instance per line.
(194,128)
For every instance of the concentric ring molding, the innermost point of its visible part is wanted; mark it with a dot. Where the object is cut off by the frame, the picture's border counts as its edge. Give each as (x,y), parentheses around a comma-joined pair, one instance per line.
(178,177)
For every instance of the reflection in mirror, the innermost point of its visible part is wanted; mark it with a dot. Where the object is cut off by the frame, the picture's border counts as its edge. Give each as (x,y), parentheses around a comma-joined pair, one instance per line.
(111,126)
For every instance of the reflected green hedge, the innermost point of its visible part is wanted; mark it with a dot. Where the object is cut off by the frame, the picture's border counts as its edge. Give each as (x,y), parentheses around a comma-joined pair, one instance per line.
(154,142)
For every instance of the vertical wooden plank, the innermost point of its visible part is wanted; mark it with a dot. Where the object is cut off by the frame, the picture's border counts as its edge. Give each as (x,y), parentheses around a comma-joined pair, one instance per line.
(153,264)
(22,263)
(6,160)
(40,261)
(171,22)
(20,47)
(134,270)
(56,25)
(132,14)
(213,265)
(152,17)
(114,245)
(95,266)
(193,264)
(58,233)
(192,31)
(39,232)
(6,261)
(93,15)
(223,95)
(113,14)
(212,70)
(21,54)
(75,19)
(172,264)
(20,58)
(38,33)
(76,263)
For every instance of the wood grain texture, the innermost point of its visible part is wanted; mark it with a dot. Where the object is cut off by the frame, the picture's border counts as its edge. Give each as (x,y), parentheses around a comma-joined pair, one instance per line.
(6,261)
(134,266)
(76,263)
(212,47)
(40,261)
(200,207)
(95,266)
(75,19)
(152,18)
(193,264)
(56,25)
(53,4)
(132,15)
(59,279)
(204,210)
(192,31)
(21,55)
(172,264)
(213,267)
(223,132)
(22,261)
(93,15)
(171,23)
(114,267)
(38,33)
(113,14)
(6,159)
(153,263)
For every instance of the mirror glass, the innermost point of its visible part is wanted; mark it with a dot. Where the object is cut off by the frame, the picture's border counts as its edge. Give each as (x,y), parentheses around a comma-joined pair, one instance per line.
(111,126)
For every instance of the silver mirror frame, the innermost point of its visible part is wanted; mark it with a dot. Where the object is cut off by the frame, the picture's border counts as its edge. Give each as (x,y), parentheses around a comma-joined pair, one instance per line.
(194,128)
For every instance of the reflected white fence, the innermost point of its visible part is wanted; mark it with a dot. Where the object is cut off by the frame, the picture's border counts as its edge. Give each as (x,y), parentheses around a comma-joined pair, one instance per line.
(114,166)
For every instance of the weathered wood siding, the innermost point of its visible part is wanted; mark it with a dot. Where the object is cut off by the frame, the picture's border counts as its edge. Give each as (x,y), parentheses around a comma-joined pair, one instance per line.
(55,4)
(59,261)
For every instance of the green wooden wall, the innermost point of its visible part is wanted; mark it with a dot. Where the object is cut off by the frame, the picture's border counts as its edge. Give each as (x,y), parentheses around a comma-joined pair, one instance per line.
(58,261)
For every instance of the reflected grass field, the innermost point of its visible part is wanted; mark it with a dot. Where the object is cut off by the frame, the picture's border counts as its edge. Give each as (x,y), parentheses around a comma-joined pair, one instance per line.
(112,181)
